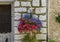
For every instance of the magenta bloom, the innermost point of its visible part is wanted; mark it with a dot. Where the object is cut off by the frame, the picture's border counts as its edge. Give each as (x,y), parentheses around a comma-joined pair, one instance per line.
(29,24)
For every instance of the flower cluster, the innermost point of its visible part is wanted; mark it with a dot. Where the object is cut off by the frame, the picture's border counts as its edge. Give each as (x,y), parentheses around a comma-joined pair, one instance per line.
(28,23)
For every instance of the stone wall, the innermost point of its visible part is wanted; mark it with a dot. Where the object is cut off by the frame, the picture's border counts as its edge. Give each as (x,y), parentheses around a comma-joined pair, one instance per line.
(39,9)
(54,27)
(6,0)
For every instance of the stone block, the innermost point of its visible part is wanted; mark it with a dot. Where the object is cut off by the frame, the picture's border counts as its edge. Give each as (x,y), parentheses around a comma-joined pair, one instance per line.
(21,9)
(43,10)
(36,3)
(30,10)
(44,41)
(16,23)
(18,37)
(17,16)
(40,10)
(16,3)
(37,10)
(16,30)
(35,16)
(42,17)
(25,3)
(44,2)
(17,41)
(44,24)
(41,36)
(43,30)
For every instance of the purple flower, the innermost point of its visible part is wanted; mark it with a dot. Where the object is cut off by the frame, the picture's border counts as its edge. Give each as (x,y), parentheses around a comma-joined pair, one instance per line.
(33,20)
(26,16)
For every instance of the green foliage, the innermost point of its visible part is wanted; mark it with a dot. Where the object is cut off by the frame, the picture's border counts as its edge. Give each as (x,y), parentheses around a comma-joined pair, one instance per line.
(29,38)
(52,41)
(58,18)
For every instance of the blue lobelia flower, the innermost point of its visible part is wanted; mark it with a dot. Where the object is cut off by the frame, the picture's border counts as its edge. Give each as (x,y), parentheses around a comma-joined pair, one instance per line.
(26,16)
(39,21)
(33,19)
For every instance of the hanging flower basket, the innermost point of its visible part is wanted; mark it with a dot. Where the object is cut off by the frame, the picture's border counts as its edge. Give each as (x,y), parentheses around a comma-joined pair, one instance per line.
(29,24)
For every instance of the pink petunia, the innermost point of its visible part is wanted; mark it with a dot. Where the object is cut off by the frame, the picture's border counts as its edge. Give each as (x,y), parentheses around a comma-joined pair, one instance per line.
(19,30)
(34,27)
(21,27)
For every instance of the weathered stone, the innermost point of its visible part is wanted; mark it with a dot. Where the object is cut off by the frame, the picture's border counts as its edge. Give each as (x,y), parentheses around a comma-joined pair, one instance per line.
(25,3)
(17,41)
(17,16)
(16,3)
(16,30)
(16,23)
(21,9)
(18,37)
(35,16)
(41,36)
(42,17)
(54,9)
(44,24)
(37,10)
(44,2)
(43,41)
(30,10)
(6,0)
(43,30)
(43,10)
(40,10)
(35,2)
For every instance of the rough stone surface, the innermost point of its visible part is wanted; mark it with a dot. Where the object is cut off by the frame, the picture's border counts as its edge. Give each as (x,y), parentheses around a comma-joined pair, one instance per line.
(43,30)
(41,36)
(16,30)
(16,23)
(6,0)
(21,9)
(16,3)
(25,3)
(54,27)
(30,10)
(35,2)
(17,41)
(17,16)
(35,16)
(44,24)
(44,2)
(43,10)
(18,37)
(42,17)
(40,10)
(43,41)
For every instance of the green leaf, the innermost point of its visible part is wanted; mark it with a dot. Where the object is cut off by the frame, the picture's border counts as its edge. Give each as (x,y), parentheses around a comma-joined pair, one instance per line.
(58,19)
(29,38)
(52,41)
